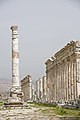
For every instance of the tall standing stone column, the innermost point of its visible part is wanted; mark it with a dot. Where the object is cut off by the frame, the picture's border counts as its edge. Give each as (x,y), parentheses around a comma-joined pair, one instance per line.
(16,94)
(15,57)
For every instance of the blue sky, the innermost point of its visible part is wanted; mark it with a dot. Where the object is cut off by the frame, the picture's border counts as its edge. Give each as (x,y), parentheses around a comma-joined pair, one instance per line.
(45,26)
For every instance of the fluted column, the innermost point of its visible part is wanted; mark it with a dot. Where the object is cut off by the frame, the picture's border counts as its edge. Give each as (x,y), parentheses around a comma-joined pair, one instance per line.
(66,80)
(72,83)
(74,79)
(70,79)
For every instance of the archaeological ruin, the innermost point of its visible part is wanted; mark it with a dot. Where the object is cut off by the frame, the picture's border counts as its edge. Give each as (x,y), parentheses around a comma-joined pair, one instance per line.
(62,80)
(63,74)
(26,85)
(60,83)
(16,94)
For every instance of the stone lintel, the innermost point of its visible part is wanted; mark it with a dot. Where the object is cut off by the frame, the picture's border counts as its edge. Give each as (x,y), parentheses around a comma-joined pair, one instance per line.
(66,47)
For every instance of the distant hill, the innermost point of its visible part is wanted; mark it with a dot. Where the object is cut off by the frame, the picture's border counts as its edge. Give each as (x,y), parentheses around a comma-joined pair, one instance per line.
(5,80)
(5,85)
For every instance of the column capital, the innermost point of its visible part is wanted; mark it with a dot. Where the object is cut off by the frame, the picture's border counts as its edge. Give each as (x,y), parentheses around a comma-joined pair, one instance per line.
(14,27)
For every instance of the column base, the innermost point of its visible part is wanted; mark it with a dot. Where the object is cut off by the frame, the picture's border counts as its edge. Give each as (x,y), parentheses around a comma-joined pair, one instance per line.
(15,99)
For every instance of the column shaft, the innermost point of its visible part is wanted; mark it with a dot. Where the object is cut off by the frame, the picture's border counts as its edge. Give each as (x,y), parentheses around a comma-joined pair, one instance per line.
(15,57)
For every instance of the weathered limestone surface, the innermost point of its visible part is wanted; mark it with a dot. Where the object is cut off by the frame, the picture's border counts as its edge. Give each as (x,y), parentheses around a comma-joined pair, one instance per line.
(26,85)
(44,87)
(63,73)
(41,89)
(37,90)
(33,92)
(15,91)
(15,57)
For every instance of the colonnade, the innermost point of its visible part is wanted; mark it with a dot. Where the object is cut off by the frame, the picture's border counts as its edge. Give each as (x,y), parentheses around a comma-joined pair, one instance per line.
(63,74)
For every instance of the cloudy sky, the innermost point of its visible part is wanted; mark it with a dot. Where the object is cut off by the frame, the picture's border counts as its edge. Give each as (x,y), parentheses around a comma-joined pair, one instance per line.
(45,26)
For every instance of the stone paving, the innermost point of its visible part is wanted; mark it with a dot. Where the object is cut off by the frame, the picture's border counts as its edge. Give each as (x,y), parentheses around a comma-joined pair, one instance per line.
(22,114)
(29,113)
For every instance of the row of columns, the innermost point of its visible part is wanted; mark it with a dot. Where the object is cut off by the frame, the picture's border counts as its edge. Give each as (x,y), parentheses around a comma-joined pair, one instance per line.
(41,89)
(63,80)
